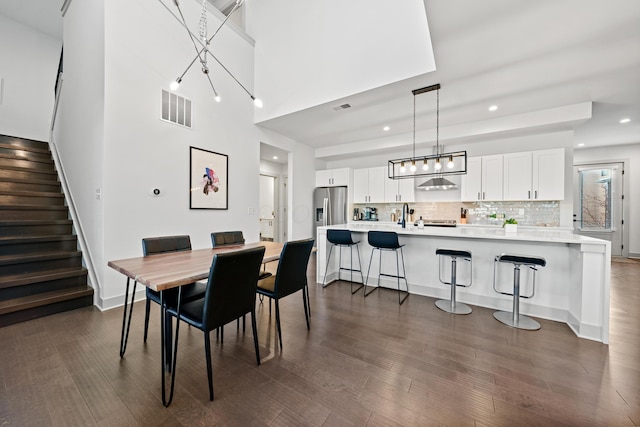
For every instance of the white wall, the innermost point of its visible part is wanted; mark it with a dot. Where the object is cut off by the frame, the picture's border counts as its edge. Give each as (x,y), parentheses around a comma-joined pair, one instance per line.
(333,48)
(631,155)
(28,70)
(79,128)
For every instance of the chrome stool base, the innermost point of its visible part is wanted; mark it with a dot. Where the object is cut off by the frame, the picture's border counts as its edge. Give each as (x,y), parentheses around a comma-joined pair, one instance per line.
(457,308)
(520,322)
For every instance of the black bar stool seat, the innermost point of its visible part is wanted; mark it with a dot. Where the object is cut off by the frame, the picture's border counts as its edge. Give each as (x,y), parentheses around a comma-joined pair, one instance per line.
(387,241)
(343,239)
(451,305)
(514,318)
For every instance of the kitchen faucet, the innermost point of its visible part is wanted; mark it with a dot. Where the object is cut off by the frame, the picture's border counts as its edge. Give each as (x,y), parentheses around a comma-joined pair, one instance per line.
(405,208)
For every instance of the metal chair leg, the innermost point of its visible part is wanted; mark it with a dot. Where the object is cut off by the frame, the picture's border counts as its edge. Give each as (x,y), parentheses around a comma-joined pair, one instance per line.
(126,321)
(368,271)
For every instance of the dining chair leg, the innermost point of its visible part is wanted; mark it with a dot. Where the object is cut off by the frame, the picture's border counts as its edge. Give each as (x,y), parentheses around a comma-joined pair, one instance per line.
(244,323)
(147,310)
(278,322)
(304,303)
(306,286)
(207,354)
(255,335)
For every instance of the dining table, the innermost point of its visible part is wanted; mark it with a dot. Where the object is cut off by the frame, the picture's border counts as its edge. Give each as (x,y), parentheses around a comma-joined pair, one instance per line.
(170,270)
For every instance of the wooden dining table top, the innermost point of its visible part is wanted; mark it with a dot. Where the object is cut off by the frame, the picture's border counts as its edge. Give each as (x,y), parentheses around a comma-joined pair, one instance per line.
(171,269)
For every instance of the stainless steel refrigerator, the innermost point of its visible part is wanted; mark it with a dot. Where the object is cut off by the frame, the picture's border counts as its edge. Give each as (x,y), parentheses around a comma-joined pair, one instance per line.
(329,207)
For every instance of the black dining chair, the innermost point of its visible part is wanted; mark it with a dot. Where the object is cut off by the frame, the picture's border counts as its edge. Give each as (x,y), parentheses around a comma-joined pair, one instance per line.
(291,277)
(231,293)
(190,292)
(227,238)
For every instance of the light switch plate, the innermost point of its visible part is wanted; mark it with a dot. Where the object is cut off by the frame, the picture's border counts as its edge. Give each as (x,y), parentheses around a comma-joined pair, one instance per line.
(251,211)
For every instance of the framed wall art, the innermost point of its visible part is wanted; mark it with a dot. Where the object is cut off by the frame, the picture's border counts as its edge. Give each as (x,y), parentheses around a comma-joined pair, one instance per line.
(209,179)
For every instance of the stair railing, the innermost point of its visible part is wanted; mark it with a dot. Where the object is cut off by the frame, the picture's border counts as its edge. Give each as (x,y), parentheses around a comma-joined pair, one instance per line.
(77,224)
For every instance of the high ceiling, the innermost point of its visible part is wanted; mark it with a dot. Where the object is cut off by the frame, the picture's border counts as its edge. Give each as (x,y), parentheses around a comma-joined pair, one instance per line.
(523,56)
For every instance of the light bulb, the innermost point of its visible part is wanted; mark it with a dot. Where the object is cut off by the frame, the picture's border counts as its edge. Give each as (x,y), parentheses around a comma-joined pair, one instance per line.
(413,166)
(217,98)
(257,102)
(438,165)
(425,165)
(175,84)
(450,162)
(402,168)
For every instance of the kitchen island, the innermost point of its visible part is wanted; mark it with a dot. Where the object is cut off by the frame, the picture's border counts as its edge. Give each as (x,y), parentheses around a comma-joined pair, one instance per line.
(572,288)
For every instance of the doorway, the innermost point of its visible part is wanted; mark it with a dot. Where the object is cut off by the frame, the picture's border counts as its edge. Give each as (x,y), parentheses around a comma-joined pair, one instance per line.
(268,203)
(598,203)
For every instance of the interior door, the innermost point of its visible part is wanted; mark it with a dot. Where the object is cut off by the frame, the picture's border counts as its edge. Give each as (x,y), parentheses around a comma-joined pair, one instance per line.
(598,203)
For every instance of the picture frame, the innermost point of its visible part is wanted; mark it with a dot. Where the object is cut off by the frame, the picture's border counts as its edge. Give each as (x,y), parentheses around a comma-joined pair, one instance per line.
(208,179)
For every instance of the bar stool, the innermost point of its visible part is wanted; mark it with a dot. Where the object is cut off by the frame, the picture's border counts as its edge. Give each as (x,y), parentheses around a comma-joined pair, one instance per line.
(451,306)
(514,318)
(386,241)
(343,239)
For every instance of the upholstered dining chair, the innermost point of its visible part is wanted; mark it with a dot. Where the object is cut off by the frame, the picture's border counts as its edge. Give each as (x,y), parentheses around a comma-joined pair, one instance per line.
(231,293)
(291,277)
(190,292)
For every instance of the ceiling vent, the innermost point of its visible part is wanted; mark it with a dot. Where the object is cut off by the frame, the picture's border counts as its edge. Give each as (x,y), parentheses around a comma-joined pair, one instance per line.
(176,109)
(341,107)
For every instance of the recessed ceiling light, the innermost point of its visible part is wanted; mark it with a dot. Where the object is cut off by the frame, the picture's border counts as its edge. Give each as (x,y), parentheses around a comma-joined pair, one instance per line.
(275,157)
(625,120)
(493,108)
(386,128)
(581,145)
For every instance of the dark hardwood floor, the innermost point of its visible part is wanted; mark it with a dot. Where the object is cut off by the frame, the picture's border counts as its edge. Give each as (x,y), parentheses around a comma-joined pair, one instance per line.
(364,362)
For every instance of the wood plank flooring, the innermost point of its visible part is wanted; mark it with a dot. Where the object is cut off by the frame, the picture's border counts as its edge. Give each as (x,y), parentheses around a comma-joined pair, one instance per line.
(364,362)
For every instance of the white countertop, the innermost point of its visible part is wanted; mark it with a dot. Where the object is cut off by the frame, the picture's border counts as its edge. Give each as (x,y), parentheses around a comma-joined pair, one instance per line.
(529,234)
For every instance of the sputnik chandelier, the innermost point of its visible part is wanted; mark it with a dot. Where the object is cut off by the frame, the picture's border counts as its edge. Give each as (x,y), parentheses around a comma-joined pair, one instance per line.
(203,53)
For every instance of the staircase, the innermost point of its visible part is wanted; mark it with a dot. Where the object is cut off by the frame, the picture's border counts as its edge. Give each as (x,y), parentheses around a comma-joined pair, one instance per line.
(41,270)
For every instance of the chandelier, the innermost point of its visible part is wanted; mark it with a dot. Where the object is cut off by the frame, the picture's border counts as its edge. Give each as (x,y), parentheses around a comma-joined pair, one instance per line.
(434,165)
(203,52)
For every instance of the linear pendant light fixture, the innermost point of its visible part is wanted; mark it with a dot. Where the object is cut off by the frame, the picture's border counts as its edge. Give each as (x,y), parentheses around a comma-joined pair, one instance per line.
(432,165)
(203,52)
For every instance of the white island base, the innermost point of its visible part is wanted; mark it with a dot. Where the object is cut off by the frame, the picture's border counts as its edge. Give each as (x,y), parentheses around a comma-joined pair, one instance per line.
(572,288)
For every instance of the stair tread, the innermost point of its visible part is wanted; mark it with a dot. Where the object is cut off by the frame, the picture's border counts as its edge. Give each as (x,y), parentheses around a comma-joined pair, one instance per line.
(31,193)
(8,240)
(41,276)
(28,159)
(38,256)
(33,207)
(45,298)
(22,222)
(29,181)
(48,171)
(25,148)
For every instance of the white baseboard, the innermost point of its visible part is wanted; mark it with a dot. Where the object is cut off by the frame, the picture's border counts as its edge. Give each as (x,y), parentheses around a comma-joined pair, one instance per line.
(118,301)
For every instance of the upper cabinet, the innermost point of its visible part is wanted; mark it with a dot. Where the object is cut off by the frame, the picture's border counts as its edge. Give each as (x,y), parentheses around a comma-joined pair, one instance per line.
(332,177)
(483,180)
(534,175)
(399,190)
(369,184)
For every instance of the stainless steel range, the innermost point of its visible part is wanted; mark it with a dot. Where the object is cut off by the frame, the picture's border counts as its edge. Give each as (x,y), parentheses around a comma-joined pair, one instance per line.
(438,223)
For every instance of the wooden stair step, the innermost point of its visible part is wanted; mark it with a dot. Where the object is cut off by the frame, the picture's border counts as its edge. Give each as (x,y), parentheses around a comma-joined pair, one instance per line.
(42,151)
(21,244)
(33,212)
(19,154)
(33,227)
(36,257)
(40,276)
(22,184)
(27,173)
(30,164)
(39,305)
(23,142)
(12,198)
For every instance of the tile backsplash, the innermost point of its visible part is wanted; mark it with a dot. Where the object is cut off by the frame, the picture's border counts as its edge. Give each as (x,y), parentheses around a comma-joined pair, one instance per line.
(526,212)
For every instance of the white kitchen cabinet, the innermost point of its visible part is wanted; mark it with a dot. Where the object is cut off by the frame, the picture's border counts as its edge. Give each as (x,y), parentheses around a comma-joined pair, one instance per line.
(534,175)
(332,177)
(267,227)
(399,190)
(484,179)
(368,185)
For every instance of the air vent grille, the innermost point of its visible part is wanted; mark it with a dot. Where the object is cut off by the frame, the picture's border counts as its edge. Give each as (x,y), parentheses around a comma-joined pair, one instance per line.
(176,109)
(341,107)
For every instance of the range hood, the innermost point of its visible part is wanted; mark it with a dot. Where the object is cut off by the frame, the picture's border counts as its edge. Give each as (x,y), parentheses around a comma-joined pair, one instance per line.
(437,184)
